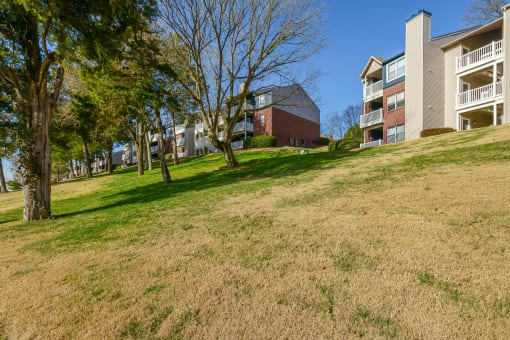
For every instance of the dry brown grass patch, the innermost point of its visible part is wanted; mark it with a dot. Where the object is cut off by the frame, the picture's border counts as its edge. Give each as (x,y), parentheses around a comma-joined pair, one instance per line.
(355,251)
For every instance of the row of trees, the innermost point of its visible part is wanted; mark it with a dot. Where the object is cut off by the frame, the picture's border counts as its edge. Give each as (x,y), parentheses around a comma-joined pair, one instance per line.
(337,125)
(100,68)
(77,75)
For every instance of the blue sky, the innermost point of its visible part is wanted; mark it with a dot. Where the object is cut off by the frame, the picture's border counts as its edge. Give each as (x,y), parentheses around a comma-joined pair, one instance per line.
(355,30)
(358,29)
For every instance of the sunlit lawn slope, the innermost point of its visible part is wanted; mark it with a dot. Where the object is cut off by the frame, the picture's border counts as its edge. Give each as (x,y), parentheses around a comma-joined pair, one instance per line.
(410,240)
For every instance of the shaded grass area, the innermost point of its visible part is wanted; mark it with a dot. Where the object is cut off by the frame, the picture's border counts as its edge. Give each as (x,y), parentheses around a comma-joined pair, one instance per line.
(129,198)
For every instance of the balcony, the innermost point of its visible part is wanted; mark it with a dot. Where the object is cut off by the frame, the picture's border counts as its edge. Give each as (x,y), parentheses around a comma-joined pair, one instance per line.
(372,118)
(481,56)
(480,95)
(243,126)
(180,142)
(370,144)
(237,145)
(180,129)
(373,91)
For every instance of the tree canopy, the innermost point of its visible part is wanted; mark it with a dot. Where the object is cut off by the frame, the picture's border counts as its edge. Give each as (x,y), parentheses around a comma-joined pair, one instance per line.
(35,39)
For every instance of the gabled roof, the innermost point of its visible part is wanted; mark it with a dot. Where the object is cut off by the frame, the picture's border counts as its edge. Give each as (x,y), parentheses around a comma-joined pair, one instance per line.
(372,59)
(491,26)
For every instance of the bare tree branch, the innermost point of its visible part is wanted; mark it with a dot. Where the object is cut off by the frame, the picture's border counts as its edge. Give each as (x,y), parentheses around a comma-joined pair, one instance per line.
(229,43)
(483,11)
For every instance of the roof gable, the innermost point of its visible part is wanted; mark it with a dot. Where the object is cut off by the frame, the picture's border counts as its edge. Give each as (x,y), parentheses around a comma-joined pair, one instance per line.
(372,65)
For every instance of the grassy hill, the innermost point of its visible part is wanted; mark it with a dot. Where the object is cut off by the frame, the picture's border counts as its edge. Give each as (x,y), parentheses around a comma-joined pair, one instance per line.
(409,240)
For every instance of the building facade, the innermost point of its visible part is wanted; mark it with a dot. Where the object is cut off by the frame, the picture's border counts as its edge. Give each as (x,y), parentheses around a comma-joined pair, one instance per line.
(454,80)
(287,113)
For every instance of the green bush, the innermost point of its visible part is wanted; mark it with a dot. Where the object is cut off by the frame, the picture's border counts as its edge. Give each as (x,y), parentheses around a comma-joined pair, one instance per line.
(13,185)
(324,141)
(435,131)
(345,144)
(262,141)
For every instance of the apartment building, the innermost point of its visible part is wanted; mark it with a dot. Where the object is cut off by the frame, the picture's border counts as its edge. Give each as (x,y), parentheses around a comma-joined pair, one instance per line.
(454,80)
(285,112)
(185,144)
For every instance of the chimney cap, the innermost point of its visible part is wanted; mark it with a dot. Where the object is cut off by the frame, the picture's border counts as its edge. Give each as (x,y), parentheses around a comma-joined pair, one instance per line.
(421,11)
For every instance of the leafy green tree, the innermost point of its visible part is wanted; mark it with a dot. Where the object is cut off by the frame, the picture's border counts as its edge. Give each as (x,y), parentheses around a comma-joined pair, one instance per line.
(6,132)
(35,38)
(353,133)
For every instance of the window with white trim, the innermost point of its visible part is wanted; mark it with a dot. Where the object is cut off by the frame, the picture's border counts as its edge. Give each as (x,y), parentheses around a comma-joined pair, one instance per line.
(396,134)
(396,69)
(262,119)
(396,101)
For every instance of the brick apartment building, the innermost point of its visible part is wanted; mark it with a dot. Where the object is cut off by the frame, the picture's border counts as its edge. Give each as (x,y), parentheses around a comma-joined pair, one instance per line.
(286,112)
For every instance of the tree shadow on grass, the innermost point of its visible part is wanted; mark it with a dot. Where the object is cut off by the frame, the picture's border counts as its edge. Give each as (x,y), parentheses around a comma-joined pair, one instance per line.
(250,170)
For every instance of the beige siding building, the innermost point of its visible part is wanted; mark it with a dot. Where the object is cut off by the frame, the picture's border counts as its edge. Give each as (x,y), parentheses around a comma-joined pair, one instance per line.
(455,80)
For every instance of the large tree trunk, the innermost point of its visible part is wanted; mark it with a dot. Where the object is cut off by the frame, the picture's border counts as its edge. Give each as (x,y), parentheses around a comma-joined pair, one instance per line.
(228,154)
(3,184)
(36,161)
(86,155)
(161,149)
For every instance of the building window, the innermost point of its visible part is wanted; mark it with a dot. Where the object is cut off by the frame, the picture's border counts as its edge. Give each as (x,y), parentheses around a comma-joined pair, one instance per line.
(396,134)
(396,101)
(262,100)
(261,119)
(396,69)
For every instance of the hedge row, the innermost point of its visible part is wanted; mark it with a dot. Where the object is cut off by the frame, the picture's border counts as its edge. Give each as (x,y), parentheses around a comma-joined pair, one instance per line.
(344,144)
(324,141)
(262,141)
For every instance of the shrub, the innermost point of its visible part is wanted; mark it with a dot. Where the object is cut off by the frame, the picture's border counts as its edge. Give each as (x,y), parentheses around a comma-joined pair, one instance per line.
(262,141)
(13,185)
(324,141)
(435,131)
(344,144)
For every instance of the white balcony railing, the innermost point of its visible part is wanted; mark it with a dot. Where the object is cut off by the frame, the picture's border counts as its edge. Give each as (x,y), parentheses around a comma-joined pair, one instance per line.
(243,126)
(480,56)
(237,145)
(479,95)
(180,129)
(374,143)
(373,91)
(372,118)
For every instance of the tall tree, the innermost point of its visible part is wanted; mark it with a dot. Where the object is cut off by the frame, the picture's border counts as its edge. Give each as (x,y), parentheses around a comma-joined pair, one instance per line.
(5,132)
(231,47)
(481,12)
(35,37)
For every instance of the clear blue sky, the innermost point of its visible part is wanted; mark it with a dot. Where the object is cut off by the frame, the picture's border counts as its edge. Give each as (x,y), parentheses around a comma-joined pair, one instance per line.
(355,30)
(358,29)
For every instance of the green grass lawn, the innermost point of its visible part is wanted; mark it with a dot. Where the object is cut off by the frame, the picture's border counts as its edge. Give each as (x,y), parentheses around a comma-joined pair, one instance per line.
(409,240)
